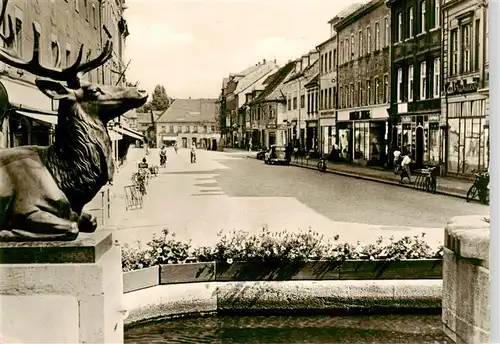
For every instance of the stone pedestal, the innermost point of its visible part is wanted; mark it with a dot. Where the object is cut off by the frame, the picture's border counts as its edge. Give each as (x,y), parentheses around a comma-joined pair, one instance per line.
(466,280)
(62,292)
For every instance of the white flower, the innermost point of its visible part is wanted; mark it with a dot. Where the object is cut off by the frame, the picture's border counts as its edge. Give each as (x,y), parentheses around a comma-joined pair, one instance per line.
(147,255)
(159,250)
(229,260)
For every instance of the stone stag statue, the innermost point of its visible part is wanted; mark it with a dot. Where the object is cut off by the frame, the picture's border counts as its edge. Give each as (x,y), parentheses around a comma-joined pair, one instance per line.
(44,189)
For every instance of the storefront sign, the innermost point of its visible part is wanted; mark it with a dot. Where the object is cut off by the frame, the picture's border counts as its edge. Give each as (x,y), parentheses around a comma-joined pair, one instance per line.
(402,107)
(357,115)
(312,124)
(433,118)
(405,119)
(271,126)
(458,87)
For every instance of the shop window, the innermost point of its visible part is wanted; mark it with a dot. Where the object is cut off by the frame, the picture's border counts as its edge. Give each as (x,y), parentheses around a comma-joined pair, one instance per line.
(361,140)
(467,139)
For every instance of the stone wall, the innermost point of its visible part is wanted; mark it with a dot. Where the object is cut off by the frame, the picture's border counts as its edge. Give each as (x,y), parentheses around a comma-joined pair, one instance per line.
(466,280)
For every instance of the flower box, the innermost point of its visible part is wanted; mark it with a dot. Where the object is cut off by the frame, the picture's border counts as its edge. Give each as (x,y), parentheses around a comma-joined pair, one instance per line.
(387,269)
(140,279)
(330,270)
(187,273)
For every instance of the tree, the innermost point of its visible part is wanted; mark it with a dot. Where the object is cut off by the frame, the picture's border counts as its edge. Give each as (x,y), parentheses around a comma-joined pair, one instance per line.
(160,100)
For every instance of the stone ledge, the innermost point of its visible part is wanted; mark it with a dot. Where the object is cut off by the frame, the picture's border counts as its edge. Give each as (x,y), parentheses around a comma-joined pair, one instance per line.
(468,237)
(87,248)
(314,296)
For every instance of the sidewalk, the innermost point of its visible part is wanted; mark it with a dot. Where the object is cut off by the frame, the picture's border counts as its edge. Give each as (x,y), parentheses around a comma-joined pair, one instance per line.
(445,185)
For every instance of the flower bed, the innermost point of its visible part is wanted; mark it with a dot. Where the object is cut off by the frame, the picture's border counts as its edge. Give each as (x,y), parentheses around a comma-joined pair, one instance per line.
(240,256)
(271,247)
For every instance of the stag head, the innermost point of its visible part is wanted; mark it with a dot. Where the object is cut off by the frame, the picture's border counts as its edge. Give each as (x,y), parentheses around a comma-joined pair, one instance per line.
(101,101)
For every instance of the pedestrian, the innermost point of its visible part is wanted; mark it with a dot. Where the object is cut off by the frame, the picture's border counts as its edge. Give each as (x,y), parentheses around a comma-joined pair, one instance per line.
(397,160)
(193,153)
(163,156)
(250,145)
(405,167)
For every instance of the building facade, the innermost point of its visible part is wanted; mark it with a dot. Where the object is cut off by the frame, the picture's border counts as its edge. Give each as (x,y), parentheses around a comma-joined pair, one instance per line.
(187,122)
(465,98)
(327,93)
(298,100)
(27,116)
(312,126)
(416,80)
(363,81)
(267,110)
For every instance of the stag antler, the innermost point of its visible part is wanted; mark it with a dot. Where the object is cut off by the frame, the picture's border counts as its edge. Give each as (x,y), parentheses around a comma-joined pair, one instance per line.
(70,74)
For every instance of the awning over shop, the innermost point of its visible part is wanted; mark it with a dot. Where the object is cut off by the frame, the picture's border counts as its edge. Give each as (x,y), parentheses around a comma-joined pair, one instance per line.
(128,132)
(23,95)
(51,119)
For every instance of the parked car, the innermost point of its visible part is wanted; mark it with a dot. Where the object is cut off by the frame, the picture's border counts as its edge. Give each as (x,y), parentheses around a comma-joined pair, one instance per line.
(276,155)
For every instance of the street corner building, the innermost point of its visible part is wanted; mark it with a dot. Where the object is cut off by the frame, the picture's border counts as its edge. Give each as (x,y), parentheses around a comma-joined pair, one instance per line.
(363,82)
(27,116)
(189,121)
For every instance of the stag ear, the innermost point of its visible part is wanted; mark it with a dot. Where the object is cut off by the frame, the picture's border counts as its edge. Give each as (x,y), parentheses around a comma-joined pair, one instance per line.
(52,89)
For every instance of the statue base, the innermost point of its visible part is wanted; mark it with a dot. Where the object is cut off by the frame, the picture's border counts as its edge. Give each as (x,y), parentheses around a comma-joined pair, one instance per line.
(61,292)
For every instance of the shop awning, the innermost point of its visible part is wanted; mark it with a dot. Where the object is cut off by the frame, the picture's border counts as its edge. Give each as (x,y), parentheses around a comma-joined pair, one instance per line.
(51,119)
(23,95)
(128,132)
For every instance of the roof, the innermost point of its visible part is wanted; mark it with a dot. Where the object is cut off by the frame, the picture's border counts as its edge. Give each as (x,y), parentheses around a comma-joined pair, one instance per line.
(145,117)
(312,81)
(190,110)
(225,81)
(254,76)
(273,81)
(358,11)
(302,73)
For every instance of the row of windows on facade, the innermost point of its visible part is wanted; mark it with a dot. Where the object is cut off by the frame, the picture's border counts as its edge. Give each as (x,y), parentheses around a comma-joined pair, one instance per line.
(464,56)
(55,48)
(367,43)
(257,113)
(364,94)
(433,90)
(188,129)
(425,22)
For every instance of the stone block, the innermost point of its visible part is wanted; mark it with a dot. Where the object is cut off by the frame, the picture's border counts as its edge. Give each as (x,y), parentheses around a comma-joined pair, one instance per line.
(88,271)
(466,281)
(39,319)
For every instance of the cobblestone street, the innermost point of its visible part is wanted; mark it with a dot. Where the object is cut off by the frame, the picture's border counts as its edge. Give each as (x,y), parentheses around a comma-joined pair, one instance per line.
(225,191)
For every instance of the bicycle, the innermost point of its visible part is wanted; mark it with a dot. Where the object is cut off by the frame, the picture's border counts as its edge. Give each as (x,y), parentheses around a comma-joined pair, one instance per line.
(480,188)
(321,165)
(426,179)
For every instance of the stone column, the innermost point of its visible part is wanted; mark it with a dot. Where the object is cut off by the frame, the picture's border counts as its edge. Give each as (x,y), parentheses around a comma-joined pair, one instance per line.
(62,292)
(466,280)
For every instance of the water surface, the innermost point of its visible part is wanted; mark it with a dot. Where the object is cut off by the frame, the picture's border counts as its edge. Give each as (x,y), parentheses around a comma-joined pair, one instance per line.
(372,329)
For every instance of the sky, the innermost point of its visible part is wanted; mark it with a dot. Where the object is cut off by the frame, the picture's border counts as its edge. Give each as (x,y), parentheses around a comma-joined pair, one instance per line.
(189,46)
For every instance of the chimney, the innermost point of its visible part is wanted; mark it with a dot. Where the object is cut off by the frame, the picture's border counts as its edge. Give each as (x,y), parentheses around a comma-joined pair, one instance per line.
(274,60)
(264,61)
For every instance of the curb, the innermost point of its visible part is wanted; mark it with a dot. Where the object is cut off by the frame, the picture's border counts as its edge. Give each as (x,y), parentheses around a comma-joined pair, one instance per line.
(378,180)
(283,297)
